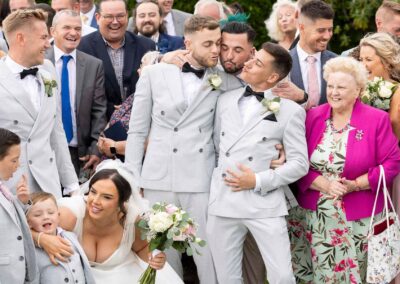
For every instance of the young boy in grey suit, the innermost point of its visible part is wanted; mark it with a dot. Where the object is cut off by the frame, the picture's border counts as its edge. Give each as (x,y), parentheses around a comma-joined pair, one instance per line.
(17,254)
(43,217)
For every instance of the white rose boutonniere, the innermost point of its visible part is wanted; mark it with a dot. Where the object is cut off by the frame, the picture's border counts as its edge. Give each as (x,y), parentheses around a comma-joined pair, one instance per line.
(272,105)
(49,84)
(215,81)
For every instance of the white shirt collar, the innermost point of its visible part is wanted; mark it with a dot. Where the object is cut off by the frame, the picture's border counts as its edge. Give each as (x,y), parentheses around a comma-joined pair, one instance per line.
(90,14)
(169,19)
(14,67)
(303,55)
(58,53)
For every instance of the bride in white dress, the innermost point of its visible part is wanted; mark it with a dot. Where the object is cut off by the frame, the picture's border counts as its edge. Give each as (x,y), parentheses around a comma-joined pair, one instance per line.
(104,222)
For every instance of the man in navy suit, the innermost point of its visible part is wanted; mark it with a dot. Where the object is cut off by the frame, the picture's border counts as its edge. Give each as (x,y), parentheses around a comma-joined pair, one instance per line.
(149,23)
(88,11)
(120,50)
(307,84)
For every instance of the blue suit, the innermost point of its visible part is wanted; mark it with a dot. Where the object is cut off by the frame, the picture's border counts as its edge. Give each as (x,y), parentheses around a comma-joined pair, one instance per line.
(167,43)
(295,73)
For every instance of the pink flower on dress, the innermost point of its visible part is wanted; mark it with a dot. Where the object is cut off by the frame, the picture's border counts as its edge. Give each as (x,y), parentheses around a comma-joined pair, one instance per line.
(353,279)
(309,236)
(313,255)
(336,241)
(350,263)
(341,266)
(330,158)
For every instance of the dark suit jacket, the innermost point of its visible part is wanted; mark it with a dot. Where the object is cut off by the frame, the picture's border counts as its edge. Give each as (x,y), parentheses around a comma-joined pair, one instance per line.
(94,24)
(295,73)
(167,43)
(90,101)
(135,48)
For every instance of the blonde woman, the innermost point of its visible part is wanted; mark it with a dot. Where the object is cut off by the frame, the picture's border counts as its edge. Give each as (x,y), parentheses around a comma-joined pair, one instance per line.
(281,24)
(380,54)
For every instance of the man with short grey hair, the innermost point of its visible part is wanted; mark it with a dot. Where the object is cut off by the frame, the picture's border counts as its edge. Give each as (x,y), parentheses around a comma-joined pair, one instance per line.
(82,95)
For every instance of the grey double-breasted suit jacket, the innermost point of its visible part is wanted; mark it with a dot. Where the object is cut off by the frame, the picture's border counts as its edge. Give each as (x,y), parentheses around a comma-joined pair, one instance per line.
(45,157)
(180,154)
(253,145)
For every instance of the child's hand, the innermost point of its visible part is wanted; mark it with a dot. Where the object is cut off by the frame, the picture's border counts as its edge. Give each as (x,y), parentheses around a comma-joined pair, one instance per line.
(22,190)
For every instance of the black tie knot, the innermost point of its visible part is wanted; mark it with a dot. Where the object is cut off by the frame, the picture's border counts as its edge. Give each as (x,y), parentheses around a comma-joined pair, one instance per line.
(27,72)
(186,68)
(249,92)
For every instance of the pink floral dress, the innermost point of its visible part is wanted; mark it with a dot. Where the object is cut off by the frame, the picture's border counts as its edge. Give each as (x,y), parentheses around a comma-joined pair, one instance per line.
(338,246)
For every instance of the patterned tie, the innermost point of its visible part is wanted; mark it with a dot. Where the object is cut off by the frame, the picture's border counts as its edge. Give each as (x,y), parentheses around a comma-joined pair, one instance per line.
(313,87)
(84,19)
(65,100)
(6,192)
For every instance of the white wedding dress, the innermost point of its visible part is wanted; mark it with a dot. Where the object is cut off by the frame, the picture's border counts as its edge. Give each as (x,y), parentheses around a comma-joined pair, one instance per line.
(123,266)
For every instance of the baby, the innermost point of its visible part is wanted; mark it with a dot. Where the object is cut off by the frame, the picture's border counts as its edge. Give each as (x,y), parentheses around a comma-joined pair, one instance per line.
(43,217)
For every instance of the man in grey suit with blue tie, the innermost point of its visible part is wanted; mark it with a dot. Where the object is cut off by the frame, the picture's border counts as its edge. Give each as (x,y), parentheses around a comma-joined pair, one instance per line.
(82,93)
(29,105)
(306,83)
(246,194)
(174,109)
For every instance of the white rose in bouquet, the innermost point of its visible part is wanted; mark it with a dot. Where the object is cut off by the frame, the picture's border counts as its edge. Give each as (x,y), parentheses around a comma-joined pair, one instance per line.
(385,92)
(160,222)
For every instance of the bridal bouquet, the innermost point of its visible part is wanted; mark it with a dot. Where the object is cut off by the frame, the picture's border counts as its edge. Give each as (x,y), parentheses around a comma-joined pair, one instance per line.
(378,93)
(167,226)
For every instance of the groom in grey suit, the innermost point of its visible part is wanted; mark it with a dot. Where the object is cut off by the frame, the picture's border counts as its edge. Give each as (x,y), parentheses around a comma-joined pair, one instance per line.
(29,105)
(174,109)
(246,195)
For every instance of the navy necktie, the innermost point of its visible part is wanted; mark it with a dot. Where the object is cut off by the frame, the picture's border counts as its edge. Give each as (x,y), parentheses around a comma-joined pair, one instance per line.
(249,92)
(65,99)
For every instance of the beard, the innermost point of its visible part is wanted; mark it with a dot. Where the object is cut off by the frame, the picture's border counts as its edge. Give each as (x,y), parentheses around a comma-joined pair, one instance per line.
(148,32)
(234,69)
(203,61)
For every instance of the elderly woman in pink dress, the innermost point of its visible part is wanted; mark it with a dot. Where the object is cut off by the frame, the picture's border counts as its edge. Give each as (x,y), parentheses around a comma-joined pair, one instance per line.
(347,141)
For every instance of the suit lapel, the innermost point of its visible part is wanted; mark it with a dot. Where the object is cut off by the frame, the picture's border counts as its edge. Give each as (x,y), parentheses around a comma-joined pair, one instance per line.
(11,84)
(45,100)
(204,90)
(322,98)
(174,83)
(8,206)
(130,60)
(80,74)
(258,116)
(295,73)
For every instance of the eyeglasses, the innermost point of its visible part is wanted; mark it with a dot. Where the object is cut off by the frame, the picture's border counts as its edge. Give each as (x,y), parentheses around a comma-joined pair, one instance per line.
(110,18)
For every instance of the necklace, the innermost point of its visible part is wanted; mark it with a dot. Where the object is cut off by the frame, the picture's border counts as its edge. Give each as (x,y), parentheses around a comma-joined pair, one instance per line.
(338,131)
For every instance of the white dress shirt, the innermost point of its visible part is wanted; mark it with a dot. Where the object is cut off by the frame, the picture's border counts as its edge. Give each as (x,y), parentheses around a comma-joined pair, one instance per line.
(304,66)
(89,15)
(87,30)
(31,84)
(249,107)
(72,86)
(191,86)
(169,24)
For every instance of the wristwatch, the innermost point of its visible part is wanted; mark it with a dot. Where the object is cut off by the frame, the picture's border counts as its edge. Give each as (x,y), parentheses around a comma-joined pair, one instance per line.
(304,100)
(113,150)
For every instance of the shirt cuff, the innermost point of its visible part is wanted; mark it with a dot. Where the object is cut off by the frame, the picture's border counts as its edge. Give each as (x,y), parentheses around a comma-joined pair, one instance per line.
(257,188)
(70,188)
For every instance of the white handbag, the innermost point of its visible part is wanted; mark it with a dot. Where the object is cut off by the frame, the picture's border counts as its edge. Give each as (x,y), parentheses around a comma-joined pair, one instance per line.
(383,240)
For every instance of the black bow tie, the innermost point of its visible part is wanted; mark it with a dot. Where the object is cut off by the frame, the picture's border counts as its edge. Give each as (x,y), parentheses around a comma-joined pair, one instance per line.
(186,68)
(27,72)
(249,92)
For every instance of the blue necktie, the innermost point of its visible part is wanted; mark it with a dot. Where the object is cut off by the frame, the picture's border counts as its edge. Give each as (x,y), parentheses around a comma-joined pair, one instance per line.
(65,101)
